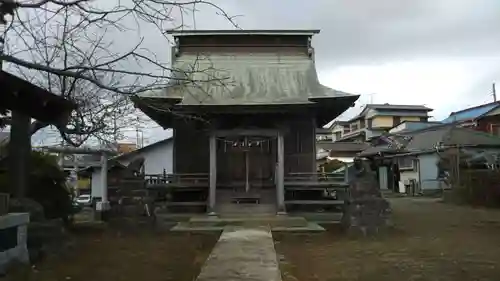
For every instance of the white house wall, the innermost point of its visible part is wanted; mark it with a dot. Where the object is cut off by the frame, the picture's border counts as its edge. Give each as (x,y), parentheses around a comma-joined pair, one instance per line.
(428,171)
(156,159)
(406,175)
(95,184)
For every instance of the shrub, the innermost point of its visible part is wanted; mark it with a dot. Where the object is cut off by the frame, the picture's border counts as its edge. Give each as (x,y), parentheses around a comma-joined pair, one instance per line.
(47,186)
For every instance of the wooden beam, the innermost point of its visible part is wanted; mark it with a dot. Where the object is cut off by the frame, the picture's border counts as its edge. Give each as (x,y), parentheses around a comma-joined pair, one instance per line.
(213,174)
(280,187)
(243,132)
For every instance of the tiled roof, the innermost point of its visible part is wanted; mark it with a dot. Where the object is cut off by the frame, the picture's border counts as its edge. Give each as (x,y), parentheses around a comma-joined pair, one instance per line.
(427,139)
(342,146)
(471,113)
(323,131)
(392,107)
(399,106)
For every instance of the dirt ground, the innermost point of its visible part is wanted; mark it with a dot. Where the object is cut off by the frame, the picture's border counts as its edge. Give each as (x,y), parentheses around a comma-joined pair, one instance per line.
(430,241)
(115,254)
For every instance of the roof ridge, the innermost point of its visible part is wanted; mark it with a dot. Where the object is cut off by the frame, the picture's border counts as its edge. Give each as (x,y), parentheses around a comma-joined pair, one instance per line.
(474,107)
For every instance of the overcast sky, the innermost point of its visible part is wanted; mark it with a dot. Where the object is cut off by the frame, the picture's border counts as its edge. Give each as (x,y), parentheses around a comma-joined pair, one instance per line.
(445,53)
(441,53)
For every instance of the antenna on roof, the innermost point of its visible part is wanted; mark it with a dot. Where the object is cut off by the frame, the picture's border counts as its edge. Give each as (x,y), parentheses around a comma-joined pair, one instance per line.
(494,92)
(371,97)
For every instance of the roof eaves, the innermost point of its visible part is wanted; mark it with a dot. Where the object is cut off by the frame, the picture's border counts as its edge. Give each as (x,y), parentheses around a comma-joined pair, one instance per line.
(309,32)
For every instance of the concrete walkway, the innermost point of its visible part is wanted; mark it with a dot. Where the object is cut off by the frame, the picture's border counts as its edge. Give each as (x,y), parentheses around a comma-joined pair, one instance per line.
(242,254)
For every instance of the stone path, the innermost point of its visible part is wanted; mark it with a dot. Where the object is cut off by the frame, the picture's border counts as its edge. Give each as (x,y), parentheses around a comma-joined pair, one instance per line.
(242,254)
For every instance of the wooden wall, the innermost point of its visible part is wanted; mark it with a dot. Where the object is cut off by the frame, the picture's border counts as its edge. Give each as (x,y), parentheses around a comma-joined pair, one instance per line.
(300,143)
(191,145)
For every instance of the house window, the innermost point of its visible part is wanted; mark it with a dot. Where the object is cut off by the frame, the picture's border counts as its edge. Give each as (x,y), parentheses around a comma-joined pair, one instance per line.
(354,127)
(424,119)
(396,120)
(370,123)
(406,163)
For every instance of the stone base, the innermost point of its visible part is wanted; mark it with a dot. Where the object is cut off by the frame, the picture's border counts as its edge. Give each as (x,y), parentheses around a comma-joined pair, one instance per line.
(366,217)
(102,211)
(13,237)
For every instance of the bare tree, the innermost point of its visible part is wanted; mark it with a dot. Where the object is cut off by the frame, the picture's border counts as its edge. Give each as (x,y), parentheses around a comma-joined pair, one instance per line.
(67,47)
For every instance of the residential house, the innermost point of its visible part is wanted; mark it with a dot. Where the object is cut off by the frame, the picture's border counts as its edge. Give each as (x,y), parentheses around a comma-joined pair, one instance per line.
(323,134)
(376,119)
(416,154)
(339,129)
(485,118)
(157,160)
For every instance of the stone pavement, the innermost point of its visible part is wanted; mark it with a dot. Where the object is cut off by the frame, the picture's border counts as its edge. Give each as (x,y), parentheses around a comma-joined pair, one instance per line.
(242,254)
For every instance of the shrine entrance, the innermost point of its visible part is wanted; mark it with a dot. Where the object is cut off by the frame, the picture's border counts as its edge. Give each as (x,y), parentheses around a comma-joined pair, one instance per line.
(246,167)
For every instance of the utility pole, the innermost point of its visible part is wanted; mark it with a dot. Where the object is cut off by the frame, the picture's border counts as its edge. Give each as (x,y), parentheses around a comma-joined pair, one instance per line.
(494,92)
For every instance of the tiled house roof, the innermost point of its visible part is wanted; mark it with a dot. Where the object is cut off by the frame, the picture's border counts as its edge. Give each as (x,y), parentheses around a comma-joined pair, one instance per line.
(427,139)
(471,113)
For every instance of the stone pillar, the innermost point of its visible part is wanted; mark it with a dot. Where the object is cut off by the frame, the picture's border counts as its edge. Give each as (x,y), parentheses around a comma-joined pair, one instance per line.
(213,175)
(13,237)
(280,174)
(103,206)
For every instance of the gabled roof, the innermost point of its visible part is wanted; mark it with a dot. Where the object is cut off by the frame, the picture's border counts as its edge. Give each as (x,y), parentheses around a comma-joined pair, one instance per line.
(338,122)
(115,160)
(143,149)
(221,80)
(309,32)
(471,113)
(427,139)
(387,106)
(415,125)
(392,107)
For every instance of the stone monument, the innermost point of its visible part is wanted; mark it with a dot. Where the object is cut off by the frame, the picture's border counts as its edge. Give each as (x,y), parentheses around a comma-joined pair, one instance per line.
(365,211)
(13,237)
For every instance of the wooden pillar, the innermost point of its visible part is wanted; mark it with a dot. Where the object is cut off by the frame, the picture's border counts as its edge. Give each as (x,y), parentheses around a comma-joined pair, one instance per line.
(213,174)
(102,207)
(280,173)
(314,161)
(104,178)
(19,154)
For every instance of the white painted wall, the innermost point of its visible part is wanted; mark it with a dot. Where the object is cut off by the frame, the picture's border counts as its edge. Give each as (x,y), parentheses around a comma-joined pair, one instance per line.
(95,183)
(428,171)
(156,158)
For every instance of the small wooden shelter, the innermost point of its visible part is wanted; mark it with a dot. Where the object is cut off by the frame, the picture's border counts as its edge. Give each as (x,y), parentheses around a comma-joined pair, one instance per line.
(27,101)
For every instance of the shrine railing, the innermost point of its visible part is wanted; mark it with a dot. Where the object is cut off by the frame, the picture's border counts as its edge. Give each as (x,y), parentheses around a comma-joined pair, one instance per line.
(179,178)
